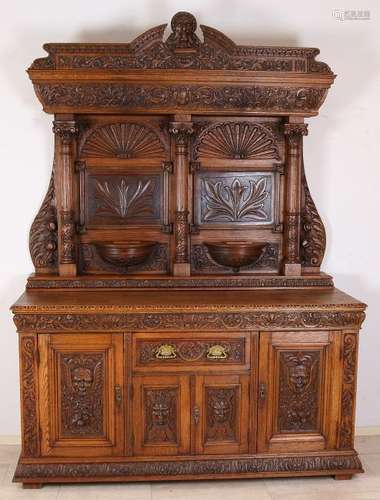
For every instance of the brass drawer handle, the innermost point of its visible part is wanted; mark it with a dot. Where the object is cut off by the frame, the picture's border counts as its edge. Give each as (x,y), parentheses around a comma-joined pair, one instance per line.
(166,351)
(217,352)
(118,395)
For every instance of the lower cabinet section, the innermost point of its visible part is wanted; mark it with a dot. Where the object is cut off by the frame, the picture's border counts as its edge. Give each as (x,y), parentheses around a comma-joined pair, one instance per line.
(267,397)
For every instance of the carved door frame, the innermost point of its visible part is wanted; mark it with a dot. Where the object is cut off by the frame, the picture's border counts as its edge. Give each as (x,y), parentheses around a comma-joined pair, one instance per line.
(312,373)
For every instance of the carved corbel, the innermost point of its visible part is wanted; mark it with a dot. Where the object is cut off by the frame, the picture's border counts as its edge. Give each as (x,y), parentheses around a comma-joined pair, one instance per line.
(293,132)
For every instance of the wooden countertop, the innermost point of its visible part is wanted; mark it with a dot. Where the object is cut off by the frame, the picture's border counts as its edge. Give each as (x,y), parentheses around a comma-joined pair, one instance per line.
(190,300)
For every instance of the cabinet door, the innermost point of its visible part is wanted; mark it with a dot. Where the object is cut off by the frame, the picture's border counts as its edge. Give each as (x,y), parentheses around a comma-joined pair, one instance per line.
(299,378)
(81,386)
(161,415)
(221,415)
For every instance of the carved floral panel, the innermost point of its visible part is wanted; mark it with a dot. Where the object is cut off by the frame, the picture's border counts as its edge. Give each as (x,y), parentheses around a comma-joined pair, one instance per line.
(235,198)
(161,410)
(82,394)
(122,199)
(299,391)
(221,413)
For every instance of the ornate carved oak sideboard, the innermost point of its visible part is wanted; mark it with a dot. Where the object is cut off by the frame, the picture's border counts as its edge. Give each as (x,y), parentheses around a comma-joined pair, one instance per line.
(177,325)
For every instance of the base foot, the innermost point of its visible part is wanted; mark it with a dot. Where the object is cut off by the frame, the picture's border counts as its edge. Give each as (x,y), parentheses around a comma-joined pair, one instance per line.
(343,477)
(32,486)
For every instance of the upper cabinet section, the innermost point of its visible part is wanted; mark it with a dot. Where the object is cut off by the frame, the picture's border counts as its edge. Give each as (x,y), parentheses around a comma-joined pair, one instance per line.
(209,75)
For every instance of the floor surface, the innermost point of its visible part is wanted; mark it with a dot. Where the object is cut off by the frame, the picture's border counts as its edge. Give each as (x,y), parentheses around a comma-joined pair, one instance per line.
(361,487)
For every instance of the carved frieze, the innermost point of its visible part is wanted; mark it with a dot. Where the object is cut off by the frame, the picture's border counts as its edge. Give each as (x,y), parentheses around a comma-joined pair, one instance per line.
(226,97)
(43,233)
(299,389)
(82,395)
(272,319)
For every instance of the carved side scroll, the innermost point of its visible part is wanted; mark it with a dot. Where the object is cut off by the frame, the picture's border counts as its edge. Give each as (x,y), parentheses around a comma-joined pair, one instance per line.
(313,234)
(43,234)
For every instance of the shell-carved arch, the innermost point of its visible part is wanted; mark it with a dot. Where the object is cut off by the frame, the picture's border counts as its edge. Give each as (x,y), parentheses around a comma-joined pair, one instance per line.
(236,140)
(122,140)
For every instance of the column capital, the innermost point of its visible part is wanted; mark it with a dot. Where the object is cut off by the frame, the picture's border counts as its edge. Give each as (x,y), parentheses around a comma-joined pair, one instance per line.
(294,131)
(65,129)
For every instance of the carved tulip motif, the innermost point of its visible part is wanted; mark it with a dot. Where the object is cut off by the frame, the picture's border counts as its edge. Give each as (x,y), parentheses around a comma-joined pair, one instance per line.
(237,202)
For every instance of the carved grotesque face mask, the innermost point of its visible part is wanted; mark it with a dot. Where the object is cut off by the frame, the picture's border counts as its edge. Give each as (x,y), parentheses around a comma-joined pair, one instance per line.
(160,413)
(220,410)
(299,377)
(82,379)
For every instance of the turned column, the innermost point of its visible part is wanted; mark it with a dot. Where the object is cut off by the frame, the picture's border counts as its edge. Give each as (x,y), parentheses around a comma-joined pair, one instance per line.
(65,130)
(181,129)
(294,132)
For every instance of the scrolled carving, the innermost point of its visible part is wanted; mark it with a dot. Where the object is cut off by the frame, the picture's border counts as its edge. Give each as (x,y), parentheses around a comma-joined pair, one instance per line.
(313,234)
(67,237)
(181,131)
(173,468)
(43,233)
(294,131)
(181,229)
(65,129)
(30,433)
(236,140)
(346,431)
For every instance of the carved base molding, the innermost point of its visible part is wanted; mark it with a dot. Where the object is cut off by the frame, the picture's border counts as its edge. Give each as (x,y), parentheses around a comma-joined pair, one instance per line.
(54,282)
(187,469)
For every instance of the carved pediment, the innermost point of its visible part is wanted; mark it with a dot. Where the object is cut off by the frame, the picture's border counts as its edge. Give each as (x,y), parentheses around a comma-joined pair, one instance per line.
(183,49)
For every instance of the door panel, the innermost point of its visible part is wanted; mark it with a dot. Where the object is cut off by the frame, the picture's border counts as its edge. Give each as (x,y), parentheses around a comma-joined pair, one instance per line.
(81,381)
(161,414)
(221,414)
(298,376)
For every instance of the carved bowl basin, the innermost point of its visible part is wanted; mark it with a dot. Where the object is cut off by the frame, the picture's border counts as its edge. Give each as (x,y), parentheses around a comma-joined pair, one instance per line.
(125,253)
(235,254)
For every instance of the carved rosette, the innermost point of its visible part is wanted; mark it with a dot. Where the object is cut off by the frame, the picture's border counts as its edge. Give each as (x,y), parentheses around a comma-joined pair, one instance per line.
(181,229)
(43,233)
(67,237)
(346,432)
(30,433)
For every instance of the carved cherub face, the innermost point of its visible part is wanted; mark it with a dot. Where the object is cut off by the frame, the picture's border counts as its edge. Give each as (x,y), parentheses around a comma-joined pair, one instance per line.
(160,413)
(82,379)
(220,410)
(299,377)
(184,26)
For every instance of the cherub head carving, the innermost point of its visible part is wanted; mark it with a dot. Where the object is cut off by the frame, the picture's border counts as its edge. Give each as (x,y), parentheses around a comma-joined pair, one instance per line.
(183,25)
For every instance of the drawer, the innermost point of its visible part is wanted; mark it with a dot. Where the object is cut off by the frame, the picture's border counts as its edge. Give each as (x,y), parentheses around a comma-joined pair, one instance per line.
(165,351)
